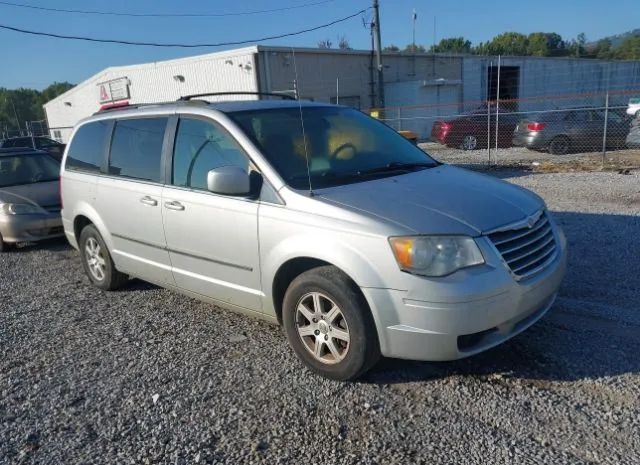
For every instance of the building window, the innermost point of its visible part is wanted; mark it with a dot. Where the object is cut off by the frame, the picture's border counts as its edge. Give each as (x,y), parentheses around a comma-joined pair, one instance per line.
(57,135)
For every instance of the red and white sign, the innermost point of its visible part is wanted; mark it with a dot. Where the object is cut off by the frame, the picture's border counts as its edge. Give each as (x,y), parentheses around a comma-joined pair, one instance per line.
(114,90)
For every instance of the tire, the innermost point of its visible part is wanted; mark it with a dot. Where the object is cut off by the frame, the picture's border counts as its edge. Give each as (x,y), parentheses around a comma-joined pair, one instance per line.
(96,256)
(469,142)
(559,145)
(331,288)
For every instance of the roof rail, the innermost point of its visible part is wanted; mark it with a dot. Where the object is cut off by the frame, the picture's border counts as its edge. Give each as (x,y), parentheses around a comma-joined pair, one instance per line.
(130,106)
(207,94)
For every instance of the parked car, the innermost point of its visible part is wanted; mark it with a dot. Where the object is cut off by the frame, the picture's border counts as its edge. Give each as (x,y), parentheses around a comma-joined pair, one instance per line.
(347,234)
(633,109)
(52,147)
(476,130)
(563,131)
(29,197)
(633,138)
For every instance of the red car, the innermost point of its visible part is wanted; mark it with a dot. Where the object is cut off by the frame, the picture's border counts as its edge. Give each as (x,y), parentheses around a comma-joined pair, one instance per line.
(470,132)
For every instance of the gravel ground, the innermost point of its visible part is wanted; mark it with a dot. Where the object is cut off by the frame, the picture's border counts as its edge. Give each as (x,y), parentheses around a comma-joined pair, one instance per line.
(145,375)
(534,160)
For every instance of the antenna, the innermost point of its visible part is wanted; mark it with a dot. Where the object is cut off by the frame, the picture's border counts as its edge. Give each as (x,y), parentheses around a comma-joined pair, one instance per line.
(304,135)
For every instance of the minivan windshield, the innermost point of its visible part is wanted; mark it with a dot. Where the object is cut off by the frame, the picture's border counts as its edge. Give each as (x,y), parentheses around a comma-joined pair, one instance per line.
(22,169)
(342,145)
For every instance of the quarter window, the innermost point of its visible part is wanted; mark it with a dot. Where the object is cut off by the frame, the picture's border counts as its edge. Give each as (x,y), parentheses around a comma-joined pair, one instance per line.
(87,147)
(202,146)
(136,149)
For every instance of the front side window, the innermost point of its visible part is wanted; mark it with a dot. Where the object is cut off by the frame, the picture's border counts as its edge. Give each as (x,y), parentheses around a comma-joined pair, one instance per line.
(338,145)
(27,169)
(86,151)
(201,146)
(136,149)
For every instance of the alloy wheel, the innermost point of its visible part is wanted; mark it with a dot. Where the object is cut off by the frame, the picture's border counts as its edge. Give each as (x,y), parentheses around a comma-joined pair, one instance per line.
(322,328)
(95,258)
(469,142)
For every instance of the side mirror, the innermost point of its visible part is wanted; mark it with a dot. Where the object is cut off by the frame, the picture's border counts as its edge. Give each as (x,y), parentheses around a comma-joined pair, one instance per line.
(229,180)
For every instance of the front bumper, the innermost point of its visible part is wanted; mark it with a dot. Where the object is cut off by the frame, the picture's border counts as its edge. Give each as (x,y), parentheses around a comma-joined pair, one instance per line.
(28,228)
(466,314)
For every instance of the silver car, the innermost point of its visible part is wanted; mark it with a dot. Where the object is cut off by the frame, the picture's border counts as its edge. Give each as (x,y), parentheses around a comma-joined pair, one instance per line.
(313,216)
(29,197)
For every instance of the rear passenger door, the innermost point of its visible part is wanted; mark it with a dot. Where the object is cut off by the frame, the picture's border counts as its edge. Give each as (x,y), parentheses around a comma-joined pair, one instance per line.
(129,198)
(212,239)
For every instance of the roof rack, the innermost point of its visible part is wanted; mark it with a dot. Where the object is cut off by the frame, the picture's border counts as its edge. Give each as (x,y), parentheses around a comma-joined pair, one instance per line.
(130,106)
(208,94)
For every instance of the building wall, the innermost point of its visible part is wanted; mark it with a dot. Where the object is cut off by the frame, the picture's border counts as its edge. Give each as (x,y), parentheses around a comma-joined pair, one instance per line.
(549,83)
(324,74)
(155,82)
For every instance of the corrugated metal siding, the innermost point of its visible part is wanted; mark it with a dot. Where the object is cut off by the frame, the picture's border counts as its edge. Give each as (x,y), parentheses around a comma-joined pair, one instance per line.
(154,82)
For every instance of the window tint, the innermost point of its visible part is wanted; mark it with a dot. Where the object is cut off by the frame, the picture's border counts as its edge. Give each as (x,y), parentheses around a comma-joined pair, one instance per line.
(87,147)
(136,148)
(202,146)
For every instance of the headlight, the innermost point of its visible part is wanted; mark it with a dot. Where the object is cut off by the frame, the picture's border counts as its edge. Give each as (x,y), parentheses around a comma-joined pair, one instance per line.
(435,255)
(19,209)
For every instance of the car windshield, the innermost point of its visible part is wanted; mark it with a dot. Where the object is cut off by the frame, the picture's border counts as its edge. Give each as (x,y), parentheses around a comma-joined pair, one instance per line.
(27,169)
(342,145)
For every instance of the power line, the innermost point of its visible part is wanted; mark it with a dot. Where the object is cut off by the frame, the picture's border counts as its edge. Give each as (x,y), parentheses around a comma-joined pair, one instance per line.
(154,44)
(163,15)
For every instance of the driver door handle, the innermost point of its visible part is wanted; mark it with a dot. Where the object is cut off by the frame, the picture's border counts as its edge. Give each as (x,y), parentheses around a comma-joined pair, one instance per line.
(149,201)
(174,205)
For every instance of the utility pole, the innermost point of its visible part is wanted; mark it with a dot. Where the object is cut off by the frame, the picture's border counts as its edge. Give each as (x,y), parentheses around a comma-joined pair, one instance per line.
(378,46)
(414,17)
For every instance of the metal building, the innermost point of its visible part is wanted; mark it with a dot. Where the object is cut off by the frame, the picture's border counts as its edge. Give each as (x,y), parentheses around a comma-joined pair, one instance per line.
(342,76)
(419,88)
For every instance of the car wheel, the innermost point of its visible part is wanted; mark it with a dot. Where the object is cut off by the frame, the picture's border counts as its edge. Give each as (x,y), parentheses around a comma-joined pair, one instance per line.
(469,142)
(97,262)
(329,325)
(560,145)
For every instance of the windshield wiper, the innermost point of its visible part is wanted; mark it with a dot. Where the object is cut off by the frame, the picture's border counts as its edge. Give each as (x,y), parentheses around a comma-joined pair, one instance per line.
(396,166)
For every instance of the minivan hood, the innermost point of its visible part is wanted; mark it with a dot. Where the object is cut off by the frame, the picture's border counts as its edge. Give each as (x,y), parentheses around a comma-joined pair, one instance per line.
(44,194)
(441,200)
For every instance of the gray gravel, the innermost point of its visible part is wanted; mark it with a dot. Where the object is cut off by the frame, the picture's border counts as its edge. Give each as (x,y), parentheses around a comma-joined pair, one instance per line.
(145,375)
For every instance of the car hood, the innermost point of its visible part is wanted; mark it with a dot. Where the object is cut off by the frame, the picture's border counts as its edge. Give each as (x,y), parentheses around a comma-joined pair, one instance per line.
(442,200)
(44,194)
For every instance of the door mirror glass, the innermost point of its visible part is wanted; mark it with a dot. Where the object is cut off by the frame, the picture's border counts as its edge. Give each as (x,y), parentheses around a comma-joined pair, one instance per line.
(229,180)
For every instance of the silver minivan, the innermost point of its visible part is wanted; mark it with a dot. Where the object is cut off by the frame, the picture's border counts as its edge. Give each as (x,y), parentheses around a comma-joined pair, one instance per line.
(313,216)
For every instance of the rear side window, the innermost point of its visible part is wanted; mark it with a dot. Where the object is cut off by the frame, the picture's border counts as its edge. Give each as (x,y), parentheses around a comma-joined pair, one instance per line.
(136,149)
(87,147)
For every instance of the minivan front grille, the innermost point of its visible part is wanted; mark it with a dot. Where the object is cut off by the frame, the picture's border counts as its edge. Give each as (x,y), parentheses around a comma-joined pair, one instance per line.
(527,250)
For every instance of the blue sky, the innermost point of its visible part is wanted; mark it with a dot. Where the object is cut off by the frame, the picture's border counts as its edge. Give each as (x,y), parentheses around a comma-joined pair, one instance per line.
(31,61)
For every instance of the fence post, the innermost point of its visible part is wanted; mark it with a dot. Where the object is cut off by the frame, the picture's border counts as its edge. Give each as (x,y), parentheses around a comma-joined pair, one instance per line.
(606,116)
(399,119)
(489,116)
(497,109)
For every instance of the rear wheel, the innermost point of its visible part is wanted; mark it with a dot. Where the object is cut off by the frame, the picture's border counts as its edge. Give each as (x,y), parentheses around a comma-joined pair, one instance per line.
(560,145)
(97,261)
(329,325)
(469,142)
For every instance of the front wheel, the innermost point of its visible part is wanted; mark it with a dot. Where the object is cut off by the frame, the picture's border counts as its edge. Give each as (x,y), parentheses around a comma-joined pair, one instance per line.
(329,325)
(97,261)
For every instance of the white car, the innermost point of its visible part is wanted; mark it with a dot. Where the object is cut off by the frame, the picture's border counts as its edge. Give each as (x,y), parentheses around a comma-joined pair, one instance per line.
(634,107)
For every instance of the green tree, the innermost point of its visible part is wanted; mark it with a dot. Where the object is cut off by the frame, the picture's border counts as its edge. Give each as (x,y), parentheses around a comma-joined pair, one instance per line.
(452,45)
(391,48)
(629,49)
(414,49)
(18,106)
(508,43)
